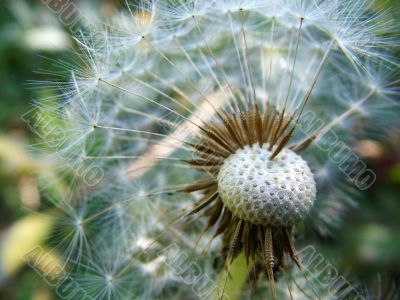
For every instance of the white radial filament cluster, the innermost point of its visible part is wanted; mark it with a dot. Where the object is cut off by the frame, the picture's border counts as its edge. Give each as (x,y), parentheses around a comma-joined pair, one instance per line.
(278,192)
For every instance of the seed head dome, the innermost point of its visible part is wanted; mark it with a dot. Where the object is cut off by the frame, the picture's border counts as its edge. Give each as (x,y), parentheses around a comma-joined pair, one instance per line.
(278,192)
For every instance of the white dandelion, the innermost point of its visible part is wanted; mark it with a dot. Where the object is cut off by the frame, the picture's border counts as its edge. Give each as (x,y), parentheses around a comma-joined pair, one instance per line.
(241,113)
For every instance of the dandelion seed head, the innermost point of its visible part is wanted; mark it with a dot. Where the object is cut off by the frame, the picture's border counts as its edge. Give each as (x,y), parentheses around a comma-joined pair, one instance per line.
(173,99)
(260,191)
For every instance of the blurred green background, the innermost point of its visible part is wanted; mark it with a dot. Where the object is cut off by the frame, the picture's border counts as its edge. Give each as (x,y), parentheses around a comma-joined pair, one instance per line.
(368,243)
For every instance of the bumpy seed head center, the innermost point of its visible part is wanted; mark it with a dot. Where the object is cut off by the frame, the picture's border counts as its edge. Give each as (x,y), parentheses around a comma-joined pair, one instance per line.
(278,192)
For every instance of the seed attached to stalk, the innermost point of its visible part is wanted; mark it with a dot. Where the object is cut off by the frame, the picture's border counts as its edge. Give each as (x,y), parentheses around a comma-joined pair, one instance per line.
(259,187)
